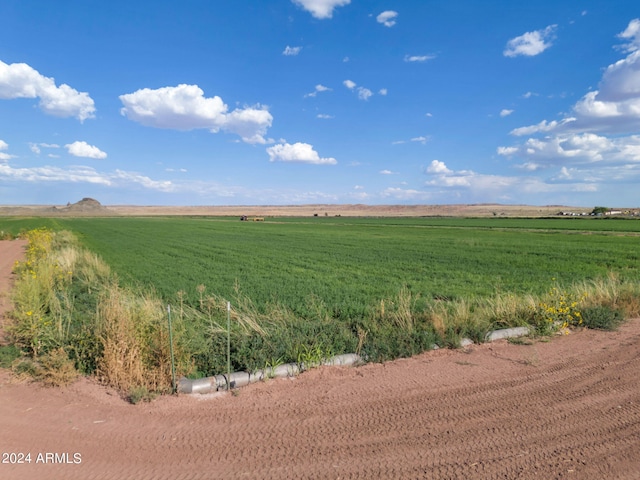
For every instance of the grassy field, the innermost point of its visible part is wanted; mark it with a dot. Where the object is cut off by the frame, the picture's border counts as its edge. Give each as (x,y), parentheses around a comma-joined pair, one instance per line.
(353,263)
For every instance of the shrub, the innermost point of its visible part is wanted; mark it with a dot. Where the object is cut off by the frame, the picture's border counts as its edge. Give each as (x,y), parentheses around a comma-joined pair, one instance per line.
(602,317)
(140,394)
(558,309)
(8,354)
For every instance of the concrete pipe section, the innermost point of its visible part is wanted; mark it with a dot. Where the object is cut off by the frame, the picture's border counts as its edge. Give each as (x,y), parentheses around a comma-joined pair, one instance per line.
(241,379)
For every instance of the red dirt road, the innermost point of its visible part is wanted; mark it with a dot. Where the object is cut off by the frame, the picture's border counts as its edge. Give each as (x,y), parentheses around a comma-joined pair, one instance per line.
(568,408)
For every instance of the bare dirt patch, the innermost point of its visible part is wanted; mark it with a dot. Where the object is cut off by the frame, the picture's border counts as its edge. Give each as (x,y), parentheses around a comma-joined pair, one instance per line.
(568,408)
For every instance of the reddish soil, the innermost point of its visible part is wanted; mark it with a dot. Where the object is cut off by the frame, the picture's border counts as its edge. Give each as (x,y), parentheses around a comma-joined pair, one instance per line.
(567,408)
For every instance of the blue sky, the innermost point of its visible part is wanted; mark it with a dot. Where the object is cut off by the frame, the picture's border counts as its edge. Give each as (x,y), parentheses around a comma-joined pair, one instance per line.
(281,102)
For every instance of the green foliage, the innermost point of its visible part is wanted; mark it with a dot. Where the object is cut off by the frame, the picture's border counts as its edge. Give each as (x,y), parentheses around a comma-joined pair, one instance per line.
(599,210)
(559,309)
(141,394)
(602,317)
(8,354)
(303,290)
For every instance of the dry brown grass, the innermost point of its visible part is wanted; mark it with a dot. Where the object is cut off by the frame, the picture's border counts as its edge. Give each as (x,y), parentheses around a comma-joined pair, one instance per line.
(322,210)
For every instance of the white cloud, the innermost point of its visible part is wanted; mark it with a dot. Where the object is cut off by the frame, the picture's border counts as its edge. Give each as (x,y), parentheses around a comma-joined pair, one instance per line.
(507,151)
(386,172)
(75,174)
(349,84)
(530,43)
(186,108)
(406,194)
(291,51)
(505,112)
(421,139)
(602,127)
(387,18)
(437,166)
(543,126)
(19,80)
(144,181)
(318,89)
(418,58)
(324,116)
(578,149)
(364,93)
(632,32)
(299,153)
(382,91)
(83,149)
(36,147)
(321,8)
(4,156)
(84,174)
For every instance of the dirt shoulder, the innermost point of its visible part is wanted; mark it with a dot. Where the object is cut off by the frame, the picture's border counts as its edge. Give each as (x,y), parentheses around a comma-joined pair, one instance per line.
(567,408)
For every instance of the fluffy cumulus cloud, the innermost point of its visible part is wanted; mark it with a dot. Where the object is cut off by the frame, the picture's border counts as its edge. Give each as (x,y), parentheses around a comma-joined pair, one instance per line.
(83,149)
(321,8)
(387,18)
(291,51)
(19,80)
(531,43)
(437,166)
(577,149)
(505,112)
(297,153)
(185,107)
(600,132)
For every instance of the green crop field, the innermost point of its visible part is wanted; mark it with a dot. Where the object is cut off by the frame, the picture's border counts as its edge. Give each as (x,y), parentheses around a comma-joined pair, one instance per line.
(311,287)
(351,264)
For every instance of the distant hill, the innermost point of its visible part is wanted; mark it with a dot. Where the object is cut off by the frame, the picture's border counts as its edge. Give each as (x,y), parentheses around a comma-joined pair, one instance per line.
(84,205)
